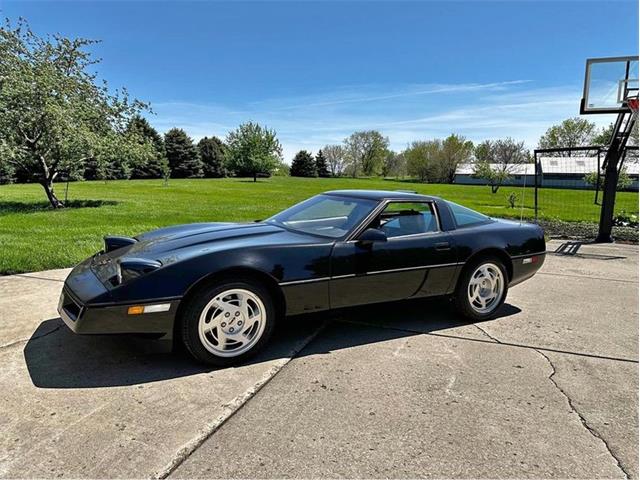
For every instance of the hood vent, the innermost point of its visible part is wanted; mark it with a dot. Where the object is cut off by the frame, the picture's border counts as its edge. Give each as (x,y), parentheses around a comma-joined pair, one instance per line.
(113,243)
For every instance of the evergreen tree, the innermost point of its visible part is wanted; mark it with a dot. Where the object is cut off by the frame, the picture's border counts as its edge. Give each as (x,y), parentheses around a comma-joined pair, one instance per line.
(303,165)
(156,166)
(182,154)
(212,157)
(321,165)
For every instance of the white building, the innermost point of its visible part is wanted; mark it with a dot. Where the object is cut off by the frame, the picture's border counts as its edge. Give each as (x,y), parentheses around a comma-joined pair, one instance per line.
(556,172)
(519,175)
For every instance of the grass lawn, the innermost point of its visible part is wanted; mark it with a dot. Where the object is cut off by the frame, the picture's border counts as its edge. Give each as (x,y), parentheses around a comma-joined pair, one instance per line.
(33,237)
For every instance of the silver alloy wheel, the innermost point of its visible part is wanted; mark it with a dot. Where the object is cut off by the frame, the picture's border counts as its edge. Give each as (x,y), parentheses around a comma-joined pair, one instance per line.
(486,287)
(232,322)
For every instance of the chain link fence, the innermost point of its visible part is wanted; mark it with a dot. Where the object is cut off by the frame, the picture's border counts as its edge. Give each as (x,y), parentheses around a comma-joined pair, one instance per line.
(570,180)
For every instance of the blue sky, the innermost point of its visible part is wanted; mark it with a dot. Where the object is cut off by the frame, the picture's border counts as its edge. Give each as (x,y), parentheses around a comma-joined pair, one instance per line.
(317,71)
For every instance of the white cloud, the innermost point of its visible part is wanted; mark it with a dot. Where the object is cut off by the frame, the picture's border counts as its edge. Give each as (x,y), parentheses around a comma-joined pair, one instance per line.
(516,108)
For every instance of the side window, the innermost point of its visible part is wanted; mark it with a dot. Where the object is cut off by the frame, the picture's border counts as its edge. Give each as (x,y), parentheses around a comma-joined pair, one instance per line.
(465,216)
(402,218)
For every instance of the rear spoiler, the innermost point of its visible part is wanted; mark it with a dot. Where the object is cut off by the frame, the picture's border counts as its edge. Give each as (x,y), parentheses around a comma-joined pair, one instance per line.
(114,242)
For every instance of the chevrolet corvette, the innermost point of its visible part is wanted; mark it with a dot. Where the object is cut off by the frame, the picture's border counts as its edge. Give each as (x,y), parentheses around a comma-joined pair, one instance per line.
(219,288)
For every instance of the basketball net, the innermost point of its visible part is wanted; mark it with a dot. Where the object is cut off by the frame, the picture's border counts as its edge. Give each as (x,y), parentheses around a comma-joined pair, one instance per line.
(632,103)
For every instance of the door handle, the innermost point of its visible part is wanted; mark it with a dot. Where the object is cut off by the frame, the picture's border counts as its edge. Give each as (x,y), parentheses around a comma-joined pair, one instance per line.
(443,246)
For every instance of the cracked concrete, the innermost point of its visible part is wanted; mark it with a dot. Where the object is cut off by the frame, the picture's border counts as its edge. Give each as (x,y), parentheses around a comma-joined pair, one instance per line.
(584,421)
(547,390)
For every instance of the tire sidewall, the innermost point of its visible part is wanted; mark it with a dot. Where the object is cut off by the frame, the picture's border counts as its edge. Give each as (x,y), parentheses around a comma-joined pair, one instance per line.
(191,318)
(462,299)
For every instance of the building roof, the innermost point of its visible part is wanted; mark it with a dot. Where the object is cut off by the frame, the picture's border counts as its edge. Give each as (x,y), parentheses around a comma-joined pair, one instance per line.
(556,165)
(579,165)
(526,169)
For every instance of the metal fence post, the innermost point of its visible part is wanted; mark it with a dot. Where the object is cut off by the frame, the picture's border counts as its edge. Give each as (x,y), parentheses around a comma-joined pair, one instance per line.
(535,181)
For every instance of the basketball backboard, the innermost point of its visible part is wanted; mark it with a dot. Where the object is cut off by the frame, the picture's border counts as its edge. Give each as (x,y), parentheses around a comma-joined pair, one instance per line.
(608,83)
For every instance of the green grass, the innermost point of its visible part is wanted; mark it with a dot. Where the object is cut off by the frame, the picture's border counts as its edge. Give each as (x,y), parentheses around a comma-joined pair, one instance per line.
(33,237)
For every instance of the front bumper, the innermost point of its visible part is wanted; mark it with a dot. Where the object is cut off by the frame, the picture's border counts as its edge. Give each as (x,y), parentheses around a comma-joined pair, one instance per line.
(85,318)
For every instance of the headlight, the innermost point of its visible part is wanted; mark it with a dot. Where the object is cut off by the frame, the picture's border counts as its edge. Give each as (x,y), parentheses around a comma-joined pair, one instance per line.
(131,268)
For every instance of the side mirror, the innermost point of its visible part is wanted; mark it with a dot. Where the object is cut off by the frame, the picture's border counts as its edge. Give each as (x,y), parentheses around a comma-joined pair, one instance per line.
(371,235)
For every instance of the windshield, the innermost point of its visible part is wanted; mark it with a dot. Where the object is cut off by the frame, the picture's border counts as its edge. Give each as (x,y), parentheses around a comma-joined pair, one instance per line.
(326,215)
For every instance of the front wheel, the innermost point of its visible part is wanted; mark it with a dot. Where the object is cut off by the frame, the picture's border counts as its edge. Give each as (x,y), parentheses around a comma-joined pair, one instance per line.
(225,324)
(482,289)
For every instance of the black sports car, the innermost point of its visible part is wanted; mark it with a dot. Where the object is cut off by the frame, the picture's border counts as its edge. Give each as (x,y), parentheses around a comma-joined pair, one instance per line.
(219,287)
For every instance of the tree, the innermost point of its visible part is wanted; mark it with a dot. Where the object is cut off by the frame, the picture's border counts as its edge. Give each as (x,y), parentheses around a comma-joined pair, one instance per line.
(335,156)
(281,169)
(114,158)
(182,154)
(53,116)
(252,149)
(624,181)
(437,160)
(456,150)
(156,166)
(421,157)
(365,152)
(395,165)
(303,165)
(603,138)
(212,156)
(573,132)
(7,172)
(321,165)
(483,152)
(500,160)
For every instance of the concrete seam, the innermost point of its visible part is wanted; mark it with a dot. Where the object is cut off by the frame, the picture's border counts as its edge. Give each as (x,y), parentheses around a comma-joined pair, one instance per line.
(24,340)
(493,341)
(588,277)
(21,275)
(230,410)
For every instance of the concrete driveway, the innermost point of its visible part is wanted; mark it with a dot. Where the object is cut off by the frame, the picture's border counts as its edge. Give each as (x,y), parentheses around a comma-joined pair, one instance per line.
(549,389)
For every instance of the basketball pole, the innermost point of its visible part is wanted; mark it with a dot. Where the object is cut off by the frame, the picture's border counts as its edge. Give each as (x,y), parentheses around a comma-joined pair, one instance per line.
(615,153)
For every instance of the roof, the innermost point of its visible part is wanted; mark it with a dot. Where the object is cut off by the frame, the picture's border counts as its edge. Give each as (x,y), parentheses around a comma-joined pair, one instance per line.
(579,165)
(525,169)
(379,195)
(557,165)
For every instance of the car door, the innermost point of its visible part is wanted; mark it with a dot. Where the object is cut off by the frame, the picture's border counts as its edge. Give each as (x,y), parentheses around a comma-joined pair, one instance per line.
(418,258)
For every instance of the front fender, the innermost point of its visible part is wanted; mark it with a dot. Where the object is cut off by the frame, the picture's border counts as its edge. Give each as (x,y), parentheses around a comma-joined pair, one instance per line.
(298,262)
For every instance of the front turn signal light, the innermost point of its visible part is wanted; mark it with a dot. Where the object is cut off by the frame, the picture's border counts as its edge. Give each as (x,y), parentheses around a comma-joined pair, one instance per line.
(140,309)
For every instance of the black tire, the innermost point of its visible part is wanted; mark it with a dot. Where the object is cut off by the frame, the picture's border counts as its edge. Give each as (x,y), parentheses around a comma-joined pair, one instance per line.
(461,299)
(190,319)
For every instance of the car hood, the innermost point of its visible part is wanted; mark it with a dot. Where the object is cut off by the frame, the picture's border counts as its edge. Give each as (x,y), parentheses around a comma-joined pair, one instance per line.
(171,244)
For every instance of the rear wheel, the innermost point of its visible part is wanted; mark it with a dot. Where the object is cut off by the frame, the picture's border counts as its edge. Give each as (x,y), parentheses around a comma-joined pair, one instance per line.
(226,323)
(482,289)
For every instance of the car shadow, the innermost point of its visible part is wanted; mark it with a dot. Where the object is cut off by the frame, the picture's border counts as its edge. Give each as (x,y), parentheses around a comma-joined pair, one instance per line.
(57,358)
